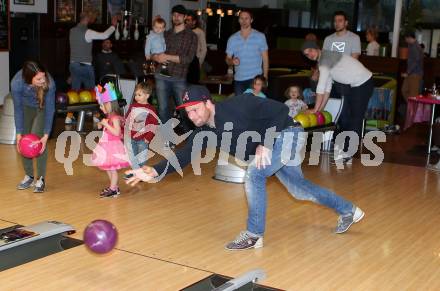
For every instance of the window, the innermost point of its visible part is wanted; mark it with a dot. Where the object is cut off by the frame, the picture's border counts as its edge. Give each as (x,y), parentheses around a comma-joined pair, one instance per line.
(377,13)
(299,12)
(327,8)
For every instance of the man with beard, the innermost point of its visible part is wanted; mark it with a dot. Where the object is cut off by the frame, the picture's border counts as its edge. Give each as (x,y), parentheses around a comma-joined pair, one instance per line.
(277,153)
(192,22)
(343,40)
(181,46)
(247,51)
(348,43)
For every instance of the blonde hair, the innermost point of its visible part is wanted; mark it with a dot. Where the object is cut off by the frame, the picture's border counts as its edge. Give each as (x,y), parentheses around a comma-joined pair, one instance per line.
(300,92)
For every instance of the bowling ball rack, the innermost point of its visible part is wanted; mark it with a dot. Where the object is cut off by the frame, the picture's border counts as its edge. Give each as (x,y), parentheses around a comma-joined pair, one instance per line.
(82,108)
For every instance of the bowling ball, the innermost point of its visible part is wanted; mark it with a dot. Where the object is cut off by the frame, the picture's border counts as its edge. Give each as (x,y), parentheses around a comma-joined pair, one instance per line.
(73,97)
(61,98)
(313,119)
(320,117)
(93,93)
(303,119)
(328,117)
(100,236)
(30,146)
(85,96)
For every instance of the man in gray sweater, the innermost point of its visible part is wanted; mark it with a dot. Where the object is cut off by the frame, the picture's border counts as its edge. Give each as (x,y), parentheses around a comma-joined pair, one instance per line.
(414,71)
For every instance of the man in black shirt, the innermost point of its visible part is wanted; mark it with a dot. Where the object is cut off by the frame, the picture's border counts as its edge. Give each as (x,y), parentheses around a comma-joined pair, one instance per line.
(107,62)
(275,141)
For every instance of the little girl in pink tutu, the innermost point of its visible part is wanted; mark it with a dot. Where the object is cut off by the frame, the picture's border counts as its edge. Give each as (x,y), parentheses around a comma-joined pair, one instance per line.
(109,154)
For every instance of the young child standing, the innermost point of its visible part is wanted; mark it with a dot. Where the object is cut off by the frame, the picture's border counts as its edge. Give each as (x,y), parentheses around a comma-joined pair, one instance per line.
(155,43)
(141,119)
(257,86)
(109,154)
(295,102)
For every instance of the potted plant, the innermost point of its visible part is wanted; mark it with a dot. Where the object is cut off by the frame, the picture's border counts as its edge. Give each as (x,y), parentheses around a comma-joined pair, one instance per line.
(411,21)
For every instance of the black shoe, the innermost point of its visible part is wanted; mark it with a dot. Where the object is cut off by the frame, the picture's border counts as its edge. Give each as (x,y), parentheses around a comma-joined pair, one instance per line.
(110,193)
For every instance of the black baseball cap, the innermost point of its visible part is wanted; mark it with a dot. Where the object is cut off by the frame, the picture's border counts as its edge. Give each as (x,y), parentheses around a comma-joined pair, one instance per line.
(193,95)
(309,44)
(179,9)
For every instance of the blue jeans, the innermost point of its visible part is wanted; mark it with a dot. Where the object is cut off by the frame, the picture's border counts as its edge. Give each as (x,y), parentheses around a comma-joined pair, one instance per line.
(291,177)
(138,153)
(82,74)
(241,86)
(165,88)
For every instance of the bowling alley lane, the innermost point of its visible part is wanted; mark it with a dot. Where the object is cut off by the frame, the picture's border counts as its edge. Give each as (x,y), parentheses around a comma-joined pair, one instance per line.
(78,269)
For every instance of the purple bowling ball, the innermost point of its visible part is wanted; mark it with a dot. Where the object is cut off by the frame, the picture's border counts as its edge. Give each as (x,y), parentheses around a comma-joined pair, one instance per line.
(61,98)
(100,236)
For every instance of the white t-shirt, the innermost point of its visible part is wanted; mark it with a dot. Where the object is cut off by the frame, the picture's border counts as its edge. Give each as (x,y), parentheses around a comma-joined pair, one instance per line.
(373,48)
(341,68)
(295,106)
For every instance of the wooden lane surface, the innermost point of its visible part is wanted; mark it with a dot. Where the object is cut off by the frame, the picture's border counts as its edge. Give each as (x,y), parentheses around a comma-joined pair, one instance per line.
(78,269)
(188,221)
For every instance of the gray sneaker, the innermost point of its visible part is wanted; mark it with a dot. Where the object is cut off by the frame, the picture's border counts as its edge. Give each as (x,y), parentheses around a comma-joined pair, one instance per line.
(27,182)
(345,221)
(39,185)
(245,240)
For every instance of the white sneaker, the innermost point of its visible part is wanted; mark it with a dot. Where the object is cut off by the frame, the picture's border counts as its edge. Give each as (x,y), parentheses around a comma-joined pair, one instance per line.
(27,182)
(39,185)
(433,167)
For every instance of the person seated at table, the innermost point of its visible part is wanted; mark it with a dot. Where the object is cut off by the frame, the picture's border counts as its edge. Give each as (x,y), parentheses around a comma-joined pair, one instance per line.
(107,62)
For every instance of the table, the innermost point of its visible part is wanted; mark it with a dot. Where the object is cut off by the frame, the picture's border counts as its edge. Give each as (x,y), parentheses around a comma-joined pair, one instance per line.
(217,80)
(410,114)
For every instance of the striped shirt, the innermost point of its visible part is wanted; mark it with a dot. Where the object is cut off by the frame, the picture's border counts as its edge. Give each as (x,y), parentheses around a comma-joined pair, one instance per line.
(249,51)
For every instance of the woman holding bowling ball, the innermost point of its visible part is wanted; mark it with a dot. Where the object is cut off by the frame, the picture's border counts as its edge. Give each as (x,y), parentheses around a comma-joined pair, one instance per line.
(33,92)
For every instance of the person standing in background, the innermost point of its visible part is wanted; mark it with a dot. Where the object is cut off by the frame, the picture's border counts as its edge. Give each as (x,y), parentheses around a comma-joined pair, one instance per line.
(81,44)
(181,46)
(373,46)
(192,22)
(343,40)
(414,71)
(247,51)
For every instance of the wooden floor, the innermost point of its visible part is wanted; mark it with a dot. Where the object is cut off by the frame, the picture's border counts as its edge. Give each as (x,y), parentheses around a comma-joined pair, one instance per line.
(173,233)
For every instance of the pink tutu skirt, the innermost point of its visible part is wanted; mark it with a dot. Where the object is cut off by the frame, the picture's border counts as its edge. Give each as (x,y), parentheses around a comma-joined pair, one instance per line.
(109,153)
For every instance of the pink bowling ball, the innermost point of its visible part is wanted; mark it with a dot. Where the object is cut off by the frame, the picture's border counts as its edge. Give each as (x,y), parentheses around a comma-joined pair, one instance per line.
(320,118)
(30,146)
